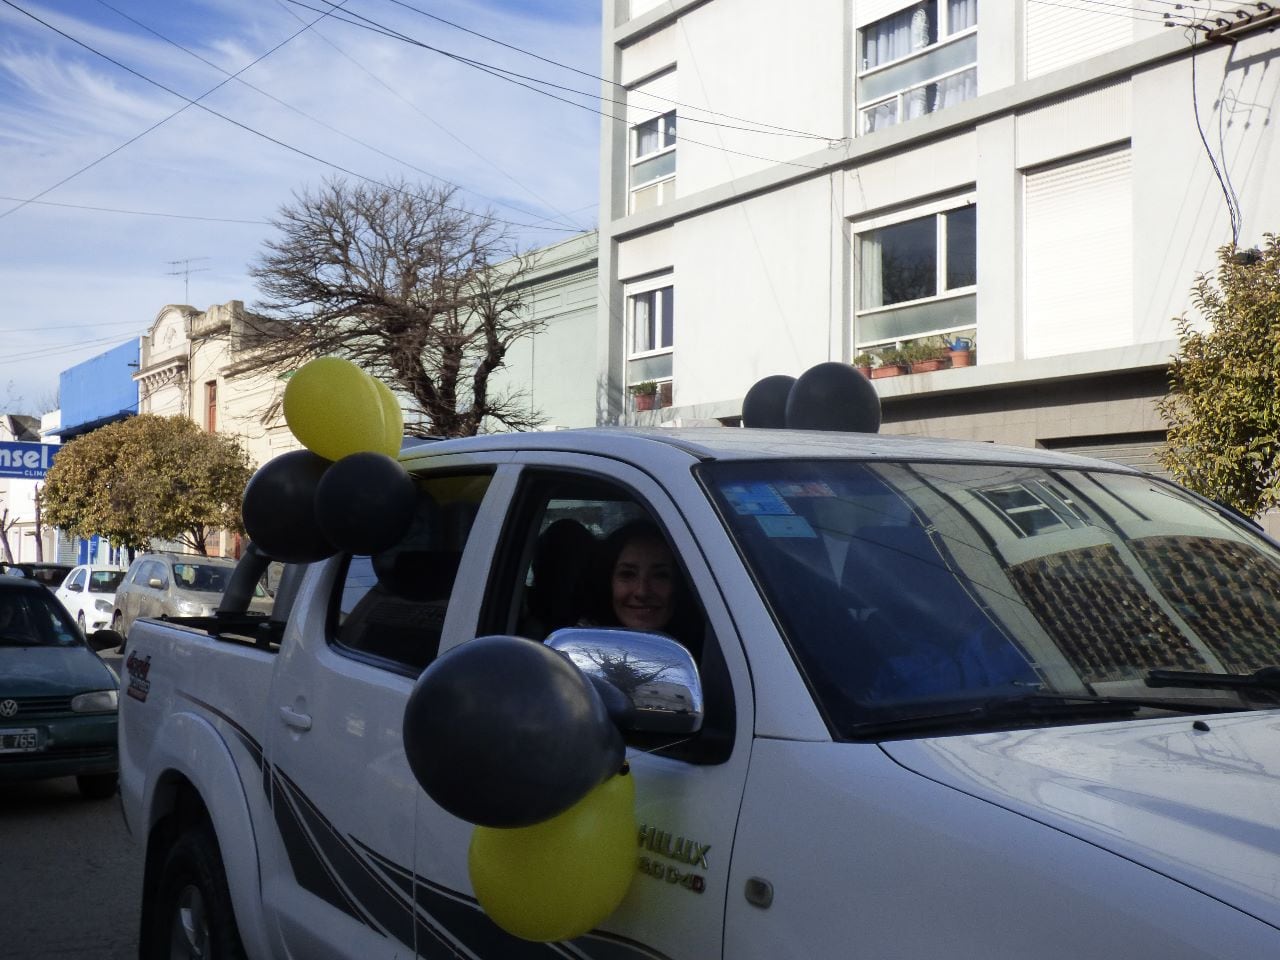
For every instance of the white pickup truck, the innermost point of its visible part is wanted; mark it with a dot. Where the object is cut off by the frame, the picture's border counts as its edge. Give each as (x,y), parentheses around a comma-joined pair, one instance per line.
(951,700)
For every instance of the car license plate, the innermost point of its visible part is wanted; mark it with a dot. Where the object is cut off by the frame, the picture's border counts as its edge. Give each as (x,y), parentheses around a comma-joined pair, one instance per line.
(20,741)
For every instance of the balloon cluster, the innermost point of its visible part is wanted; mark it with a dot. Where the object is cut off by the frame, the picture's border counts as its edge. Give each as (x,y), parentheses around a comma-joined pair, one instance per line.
(345,491)
(509,735)
(829,396)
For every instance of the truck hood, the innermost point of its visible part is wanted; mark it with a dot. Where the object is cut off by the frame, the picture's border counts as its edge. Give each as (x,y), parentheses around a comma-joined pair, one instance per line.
(52,672)
(1197,800)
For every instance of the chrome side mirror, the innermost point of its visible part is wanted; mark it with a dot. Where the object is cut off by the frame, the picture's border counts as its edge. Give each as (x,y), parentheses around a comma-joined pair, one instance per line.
(649,682)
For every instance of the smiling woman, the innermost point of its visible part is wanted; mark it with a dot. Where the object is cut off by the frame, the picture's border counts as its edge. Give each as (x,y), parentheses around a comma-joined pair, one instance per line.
(639,585)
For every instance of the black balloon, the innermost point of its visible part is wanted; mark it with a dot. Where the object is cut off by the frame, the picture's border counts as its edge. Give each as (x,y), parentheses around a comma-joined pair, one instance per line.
(833,396)
(765,404)
(505,732)
(279,508)
(365,502)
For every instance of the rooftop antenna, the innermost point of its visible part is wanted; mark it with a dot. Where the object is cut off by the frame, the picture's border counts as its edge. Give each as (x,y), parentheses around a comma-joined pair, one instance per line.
(185,270)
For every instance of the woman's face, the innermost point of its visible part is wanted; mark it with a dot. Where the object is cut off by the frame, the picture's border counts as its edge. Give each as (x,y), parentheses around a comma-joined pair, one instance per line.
(643,579)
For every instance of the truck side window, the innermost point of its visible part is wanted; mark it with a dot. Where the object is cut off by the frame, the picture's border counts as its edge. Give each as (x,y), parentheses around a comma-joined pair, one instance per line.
(554,570)
(392,606)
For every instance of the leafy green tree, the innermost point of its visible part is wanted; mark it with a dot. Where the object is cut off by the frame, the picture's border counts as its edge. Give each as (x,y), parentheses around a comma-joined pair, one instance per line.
(1223,406)
(147,478)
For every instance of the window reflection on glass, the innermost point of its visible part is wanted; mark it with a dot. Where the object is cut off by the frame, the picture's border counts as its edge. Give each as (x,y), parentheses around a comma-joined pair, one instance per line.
(962,247)
(900,263)
(913,66)
(907,589)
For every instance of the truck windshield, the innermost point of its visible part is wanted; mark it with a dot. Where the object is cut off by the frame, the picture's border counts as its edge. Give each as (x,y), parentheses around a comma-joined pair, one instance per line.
(910,592)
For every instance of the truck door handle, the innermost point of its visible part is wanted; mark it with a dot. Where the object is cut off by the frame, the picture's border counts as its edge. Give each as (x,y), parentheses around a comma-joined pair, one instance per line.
(292,718)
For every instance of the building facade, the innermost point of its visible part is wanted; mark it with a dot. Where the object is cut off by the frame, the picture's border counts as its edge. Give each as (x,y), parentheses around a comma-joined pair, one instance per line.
(196,364)
(553,368)
(851,176)
(20,532)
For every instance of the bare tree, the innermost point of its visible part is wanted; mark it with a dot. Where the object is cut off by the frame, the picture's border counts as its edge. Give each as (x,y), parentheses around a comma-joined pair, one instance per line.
(408,284)
(6,524)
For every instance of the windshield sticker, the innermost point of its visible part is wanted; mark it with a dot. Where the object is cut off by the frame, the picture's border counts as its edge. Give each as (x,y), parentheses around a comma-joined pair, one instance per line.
(796,528)
(756,499)
(814,488)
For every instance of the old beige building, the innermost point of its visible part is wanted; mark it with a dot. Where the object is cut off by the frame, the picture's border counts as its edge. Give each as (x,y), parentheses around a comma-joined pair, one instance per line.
(195,364)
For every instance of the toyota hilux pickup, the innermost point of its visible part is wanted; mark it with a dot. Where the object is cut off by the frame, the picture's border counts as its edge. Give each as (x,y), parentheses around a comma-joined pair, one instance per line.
(948,700)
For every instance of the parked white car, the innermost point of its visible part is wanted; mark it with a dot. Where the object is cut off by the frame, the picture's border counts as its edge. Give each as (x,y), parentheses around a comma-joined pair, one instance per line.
(89,594)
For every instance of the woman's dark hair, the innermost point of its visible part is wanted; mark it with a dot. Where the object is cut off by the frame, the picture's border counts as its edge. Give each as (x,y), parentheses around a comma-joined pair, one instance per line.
(684,623)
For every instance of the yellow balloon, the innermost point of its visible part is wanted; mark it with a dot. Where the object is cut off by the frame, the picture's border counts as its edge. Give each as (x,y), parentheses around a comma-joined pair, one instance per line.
(392,419)
(334,409)
(559,879)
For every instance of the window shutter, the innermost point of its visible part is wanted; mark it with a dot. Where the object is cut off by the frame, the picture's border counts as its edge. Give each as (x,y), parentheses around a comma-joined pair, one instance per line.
(1078,250)
(1062,34)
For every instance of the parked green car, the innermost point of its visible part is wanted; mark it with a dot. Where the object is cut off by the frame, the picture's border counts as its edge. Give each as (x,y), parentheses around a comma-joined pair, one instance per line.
(58,699)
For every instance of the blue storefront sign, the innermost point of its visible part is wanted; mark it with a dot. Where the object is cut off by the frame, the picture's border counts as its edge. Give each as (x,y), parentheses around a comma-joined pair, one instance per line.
(26,460)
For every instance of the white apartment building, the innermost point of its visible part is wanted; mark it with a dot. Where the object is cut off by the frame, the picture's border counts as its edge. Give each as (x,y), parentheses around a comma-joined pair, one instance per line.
(791,183)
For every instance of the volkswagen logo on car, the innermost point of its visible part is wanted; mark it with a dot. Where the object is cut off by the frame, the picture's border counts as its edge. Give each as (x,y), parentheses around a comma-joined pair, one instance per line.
(8,708)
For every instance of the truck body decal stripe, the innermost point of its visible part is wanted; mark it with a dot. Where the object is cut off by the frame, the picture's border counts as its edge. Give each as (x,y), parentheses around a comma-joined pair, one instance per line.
(309,868)
(250,742)
(387,911)
(389,898)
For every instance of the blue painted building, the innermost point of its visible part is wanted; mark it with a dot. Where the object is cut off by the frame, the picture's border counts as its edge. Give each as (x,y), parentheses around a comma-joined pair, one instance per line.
(92,394)
(99,391)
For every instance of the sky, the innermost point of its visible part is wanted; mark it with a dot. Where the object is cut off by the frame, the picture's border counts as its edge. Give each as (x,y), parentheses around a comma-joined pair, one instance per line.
(119,197)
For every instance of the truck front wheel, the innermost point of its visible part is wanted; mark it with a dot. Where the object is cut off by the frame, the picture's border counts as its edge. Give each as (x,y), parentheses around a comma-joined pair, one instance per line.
(193,919)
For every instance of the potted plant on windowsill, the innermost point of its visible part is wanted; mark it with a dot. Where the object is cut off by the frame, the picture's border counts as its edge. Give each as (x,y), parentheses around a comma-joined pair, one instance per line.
(646,394)
(864,362)
(891,364)
(926,355)
(961,350)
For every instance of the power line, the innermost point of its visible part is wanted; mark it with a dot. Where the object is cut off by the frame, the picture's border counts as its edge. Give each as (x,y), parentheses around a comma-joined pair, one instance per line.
(150,128)
(493,69)
(1128,12)
(43,353)
(136,213)
(74,326)
(449,133)
(592,76)
(1233,210)
(255,132)
(303,113)
(509,76)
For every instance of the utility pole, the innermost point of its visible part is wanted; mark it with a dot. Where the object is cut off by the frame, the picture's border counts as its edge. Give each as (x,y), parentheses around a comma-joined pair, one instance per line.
(185,270)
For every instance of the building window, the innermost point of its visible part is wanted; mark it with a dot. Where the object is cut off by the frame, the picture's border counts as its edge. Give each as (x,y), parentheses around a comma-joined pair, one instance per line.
(211,405)
(653,162)
(916,61)
(651,321)
(918,278)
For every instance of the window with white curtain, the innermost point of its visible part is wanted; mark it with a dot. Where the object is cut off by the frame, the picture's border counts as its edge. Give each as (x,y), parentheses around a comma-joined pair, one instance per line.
(652,320)
(653,162)
(651,308)
(918,277)
(917,61)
